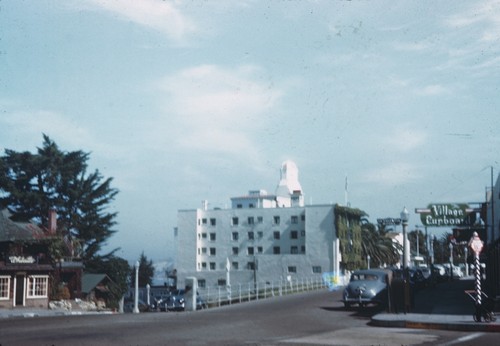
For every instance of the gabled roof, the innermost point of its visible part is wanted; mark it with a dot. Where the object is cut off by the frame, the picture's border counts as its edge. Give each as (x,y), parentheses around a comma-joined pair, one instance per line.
(12,231)
(91,281)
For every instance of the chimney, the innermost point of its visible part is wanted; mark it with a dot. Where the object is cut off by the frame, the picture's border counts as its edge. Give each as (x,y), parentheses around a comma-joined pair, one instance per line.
(52,221)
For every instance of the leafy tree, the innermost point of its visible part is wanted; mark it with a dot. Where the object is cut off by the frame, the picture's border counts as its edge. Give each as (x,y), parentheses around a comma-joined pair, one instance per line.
(31,184)
(146,271)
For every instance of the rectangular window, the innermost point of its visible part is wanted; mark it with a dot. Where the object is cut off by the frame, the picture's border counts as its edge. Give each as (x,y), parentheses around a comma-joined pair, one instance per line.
(203,236)
(303,217)
(203,250)
(204,221)
(4,287)
(221,282)
(38,286)
(294,250)
(250,220)
(251,236)
(212,251)
(239,206)
(234,265)
(251,205)
(235,236)
(212,222)
(251,266)
(259,249)
(303,233)
(295,219)
(260,234)
(203,265)
(212,265)
(276,235)
(317,269)
(292,269)
(250,250)
(276,220)
(202,283)
(260,219)
(212,237)
(294,235)
(303,249)
(235,251)
(234,221)
(276,250)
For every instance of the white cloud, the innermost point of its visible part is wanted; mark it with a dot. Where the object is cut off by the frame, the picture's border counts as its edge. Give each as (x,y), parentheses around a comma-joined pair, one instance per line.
(163,16)
(487,13)
(69,134)
(392,174)
(412,46)
(34,123)
(433,90)
(219,109)
(406,138)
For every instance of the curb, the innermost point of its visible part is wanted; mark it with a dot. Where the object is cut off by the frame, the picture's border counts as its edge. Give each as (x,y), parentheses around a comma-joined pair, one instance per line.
(439,322)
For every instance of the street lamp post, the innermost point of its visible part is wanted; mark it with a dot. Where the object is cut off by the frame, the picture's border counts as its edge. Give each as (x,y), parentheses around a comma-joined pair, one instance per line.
(405,216)
(136,298)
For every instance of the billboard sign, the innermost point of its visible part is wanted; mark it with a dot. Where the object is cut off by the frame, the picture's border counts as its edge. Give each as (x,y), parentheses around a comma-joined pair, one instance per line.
(444,214)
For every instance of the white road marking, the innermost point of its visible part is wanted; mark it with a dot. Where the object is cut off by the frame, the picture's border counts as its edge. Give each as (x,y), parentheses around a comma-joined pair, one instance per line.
(463,339)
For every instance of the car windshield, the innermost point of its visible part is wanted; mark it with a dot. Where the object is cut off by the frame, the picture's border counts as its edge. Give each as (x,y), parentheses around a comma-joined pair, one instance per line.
(364,277)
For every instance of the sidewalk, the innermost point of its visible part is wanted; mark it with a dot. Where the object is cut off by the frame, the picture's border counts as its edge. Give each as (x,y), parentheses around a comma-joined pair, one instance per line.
(445,306)
(69,309)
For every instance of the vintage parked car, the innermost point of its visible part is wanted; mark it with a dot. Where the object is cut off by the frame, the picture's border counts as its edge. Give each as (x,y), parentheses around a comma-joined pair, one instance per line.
(176,301)
(367,287)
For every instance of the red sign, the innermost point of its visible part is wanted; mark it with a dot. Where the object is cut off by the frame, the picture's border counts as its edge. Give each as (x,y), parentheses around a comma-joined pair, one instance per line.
(476,244)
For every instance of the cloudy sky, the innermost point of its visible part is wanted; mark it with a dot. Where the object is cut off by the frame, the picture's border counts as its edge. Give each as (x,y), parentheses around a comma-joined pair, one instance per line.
(181,101)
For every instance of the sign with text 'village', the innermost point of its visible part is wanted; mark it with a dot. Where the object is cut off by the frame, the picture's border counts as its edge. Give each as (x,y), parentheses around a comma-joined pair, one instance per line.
(444,214)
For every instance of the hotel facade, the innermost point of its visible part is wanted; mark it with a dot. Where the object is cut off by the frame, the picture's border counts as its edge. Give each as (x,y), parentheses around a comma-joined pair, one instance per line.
(261,238)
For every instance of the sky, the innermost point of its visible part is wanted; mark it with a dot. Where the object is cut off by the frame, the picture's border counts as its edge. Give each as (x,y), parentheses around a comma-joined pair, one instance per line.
(184,101)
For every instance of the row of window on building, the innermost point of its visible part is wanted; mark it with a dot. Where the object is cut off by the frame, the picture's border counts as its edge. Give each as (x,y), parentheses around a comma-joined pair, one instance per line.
(235,236)
(37,286)
(251,220)
(251,250)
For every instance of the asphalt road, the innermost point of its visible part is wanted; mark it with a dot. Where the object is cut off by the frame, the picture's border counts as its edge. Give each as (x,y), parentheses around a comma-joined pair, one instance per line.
(316,318)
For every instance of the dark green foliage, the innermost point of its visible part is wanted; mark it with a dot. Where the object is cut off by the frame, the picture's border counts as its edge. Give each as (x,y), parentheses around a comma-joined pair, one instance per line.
(359,238)
(117,269)
(381,248)
(348,225)
(31,184)
(146,272)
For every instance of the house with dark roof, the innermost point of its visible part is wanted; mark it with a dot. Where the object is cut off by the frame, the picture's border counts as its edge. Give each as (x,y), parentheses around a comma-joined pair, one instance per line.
(27,269)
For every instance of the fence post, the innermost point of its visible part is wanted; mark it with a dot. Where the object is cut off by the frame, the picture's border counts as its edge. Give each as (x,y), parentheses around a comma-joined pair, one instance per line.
(219,297)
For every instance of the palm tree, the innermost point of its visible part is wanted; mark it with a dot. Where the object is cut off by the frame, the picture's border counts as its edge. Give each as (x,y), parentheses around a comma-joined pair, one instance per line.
(376,244)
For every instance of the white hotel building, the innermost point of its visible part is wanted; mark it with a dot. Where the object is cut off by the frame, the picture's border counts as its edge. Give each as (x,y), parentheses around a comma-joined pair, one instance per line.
(262,238)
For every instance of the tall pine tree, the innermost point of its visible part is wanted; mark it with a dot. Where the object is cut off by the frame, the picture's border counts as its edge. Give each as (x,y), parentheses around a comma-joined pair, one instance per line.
(32,184)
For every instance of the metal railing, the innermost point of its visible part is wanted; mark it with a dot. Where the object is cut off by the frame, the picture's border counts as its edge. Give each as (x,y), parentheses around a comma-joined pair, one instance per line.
(259,290)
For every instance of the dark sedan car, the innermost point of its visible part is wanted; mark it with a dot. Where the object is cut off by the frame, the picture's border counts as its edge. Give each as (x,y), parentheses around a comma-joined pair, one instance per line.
(367,287)
(176,301)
